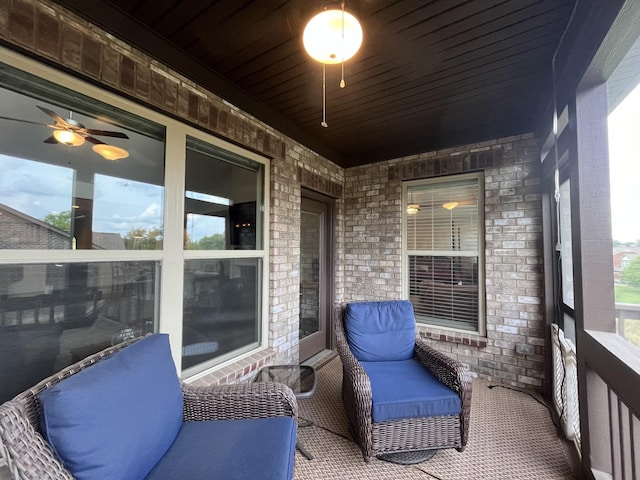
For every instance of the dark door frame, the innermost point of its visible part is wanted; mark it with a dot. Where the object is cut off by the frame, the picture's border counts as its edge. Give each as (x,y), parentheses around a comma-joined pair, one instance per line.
(327,290)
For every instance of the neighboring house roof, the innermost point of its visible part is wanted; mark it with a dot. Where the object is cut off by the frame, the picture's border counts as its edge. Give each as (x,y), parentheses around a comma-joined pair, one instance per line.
(108,241)
(27,218)
(622,253)
(100,240)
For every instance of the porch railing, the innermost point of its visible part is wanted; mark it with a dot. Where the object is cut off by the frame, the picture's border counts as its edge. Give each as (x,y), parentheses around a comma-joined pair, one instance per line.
(565,384)
(627,312)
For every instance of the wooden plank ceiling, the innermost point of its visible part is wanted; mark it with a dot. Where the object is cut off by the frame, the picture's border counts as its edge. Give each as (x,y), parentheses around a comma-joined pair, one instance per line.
(430,74)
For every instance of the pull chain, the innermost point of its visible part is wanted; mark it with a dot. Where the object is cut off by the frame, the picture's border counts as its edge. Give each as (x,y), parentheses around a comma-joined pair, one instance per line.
(324,97)
(342,84)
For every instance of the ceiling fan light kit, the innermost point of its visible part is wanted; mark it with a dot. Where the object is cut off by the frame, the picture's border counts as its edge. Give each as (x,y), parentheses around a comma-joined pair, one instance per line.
(110,152)
(73,134)
(332,37)
(413,208)
(68,137)
(450,205)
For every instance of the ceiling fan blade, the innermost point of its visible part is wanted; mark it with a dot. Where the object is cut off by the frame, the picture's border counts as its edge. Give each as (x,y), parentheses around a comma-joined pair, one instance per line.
(58,119)
(51,139)
(23,121)
(105,133)
(95,141)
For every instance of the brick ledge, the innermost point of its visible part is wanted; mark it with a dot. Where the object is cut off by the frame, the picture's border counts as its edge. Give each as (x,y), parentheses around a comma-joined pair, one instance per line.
(236,371)
(470,339)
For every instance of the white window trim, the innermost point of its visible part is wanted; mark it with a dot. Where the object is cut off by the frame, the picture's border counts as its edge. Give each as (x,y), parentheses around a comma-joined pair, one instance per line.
(173,255)
(479,176)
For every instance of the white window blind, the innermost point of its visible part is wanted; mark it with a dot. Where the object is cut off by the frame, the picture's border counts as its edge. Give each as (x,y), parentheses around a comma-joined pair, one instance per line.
(443,245)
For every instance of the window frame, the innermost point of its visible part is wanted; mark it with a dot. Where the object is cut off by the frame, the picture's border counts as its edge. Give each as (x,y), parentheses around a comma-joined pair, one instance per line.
(482,315)
(172,257)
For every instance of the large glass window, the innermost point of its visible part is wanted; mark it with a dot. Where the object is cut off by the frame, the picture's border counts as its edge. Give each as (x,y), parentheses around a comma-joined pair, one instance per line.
(624,105)
(443,245)
(86,230)
(76,195)
(55,314)
(221,312)
(223,199)
(223,214)
(75,174)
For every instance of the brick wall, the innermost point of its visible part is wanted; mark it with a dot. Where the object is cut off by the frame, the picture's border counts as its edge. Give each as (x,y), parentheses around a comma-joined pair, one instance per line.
(46,31)
(20,231)
(513,350)
(368,254)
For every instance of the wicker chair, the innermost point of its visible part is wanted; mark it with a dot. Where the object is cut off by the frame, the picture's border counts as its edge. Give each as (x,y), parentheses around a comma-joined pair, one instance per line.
(403,440)
(29,456)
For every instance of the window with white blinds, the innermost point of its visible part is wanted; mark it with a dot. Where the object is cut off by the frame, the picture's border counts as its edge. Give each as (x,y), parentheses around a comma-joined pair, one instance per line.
(443,244)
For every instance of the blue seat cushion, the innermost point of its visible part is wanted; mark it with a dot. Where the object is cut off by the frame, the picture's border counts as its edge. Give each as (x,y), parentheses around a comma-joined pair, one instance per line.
(240,449)
(405,389)
(117,418)
(380,331)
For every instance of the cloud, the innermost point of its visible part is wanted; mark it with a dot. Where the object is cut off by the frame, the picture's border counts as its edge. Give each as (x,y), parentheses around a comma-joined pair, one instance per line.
(34,188)
(153,211)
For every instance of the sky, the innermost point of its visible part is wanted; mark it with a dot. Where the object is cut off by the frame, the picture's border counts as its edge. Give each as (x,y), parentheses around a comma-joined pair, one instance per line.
(624,160)
(120,205)
(36,189)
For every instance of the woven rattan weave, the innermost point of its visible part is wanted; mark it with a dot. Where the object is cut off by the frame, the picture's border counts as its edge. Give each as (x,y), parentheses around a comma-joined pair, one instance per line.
(30,458)
(405,435)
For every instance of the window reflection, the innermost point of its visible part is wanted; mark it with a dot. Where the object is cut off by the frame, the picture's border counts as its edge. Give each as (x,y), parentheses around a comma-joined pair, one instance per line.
(223,199)
(60,196)
(53,315)
(221,312)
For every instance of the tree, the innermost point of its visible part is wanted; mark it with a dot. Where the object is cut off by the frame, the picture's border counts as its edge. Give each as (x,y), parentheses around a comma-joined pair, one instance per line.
(60,220)
(211,242)
(628,243)
(143,239)
(631,274)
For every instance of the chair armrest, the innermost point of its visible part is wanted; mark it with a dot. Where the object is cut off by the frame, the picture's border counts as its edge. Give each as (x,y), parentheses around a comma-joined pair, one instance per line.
(27,454)
(453,374)
(358,401)
(356,391)
(243,400)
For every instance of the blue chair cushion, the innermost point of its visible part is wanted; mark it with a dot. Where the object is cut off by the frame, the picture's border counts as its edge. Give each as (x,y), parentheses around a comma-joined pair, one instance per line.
(117,418)
(380,331)
(261,448)
(405,389)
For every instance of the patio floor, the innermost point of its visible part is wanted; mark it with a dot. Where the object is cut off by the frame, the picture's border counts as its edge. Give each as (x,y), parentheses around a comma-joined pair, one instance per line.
(511,437)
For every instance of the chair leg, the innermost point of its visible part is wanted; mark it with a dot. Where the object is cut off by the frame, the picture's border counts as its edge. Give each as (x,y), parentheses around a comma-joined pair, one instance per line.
(303,450)
(408,458)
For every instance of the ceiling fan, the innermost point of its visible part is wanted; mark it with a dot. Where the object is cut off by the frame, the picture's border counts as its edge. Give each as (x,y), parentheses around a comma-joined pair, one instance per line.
(70,132)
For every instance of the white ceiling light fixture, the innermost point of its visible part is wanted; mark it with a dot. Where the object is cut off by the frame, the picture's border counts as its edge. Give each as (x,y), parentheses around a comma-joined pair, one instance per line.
(68,137)
(413,208)
(331,37)
(110,152)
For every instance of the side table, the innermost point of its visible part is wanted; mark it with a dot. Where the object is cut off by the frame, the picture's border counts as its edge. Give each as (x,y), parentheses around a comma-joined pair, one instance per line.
(299,378)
